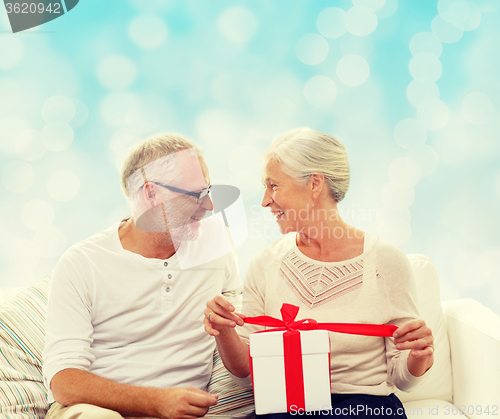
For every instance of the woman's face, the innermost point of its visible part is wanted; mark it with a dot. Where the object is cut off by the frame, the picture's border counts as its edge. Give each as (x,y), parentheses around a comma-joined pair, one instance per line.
(289,203)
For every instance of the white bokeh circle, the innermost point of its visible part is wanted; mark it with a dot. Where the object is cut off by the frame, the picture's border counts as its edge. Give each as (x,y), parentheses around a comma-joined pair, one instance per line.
(388,9)
(37,214)
(425,67)
(477,108)
(418,92)
(29,145)
(361,20)
(445,31)
(433,114)
(398,195)
(371,4)
(312,49)
(426,42)
(462,14)
(353,70)
(116,72)
(81,114)
(409,133)
(18,176)
(63,185)
(320,91)
(487,6)
(237,24)
(426,157)
(11,51)
(330,22)
(57,136)
(406,170)
(148,31)
(115,107)
(58,109)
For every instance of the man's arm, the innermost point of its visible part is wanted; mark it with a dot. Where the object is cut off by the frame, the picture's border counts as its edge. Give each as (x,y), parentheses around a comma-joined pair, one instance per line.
(72,386)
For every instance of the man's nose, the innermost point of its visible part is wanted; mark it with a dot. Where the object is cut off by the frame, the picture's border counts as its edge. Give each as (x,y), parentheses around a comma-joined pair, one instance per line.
(207,203)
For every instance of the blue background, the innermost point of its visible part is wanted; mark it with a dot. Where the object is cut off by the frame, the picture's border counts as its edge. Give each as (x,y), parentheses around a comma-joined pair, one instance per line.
(410,87)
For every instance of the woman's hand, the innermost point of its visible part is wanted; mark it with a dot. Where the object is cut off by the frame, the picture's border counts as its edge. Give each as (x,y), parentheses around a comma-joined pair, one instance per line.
(416,336)
(220,315)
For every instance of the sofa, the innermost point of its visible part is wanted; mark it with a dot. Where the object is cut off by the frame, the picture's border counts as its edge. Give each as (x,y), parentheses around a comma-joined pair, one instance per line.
(465,378)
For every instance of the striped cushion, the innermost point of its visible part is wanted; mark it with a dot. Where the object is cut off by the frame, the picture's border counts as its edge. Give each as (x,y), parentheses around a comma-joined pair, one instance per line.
(231,395)
(22,324)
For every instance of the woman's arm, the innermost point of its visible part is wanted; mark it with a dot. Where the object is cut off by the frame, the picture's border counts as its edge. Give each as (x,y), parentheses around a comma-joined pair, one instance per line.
(220,321)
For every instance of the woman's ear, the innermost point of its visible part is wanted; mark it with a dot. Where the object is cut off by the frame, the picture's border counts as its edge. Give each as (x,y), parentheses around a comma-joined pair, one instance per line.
(316,182)
(149,193)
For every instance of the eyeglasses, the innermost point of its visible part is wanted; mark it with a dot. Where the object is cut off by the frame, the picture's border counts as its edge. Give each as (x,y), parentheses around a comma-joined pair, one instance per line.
(200,196)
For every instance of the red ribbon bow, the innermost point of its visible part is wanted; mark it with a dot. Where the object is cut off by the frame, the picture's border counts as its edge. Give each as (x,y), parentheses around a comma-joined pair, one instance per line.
(294,377)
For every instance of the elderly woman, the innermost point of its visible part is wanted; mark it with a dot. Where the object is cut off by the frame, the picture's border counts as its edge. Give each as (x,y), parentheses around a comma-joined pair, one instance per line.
(334,273)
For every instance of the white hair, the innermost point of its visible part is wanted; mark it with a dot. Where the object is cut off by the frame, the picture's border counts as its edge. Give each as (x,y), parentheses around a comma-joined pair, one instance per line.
(304,151)
(149,151)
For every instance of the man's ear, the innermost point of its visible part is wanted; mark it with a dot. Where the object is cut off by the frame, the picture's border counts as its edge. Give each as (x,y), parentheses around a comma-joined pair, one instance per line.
(316,182)
(149,193)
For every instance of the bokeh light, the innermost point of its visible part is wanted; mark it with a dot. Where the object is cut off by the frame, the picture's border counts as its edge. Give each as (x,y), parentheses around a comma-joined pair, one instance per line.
(29,145)
(312,49)
(426,42)
(115,107)
(237,24)
(63,185)
(12,128)
(37,214)
(409,133)
(433,114)
(425,67)
(353,70)
(398,195)
(18,176)
(330,22)
(148,31)
(57,136)
(445,31)
(361,20)
(58,109)
(406,170)
(320,91)
(419,92)
(477,108)
(426,157)
(116,72)
(11,51)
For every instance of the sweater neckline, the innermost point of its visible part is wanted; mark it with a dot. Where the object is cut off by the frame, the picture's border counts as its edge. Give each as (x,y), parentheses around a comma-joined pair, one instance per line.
(368,245)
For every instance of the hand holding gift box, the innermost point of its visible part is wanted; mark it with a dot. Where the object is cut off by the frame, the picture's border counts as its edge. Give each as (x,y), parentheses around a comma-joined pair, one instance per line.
(290,364)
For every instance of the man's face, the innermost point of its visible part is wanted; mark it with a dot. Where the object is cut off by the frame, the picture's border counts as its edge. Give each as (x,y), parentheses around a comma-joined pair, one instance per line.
(181,212)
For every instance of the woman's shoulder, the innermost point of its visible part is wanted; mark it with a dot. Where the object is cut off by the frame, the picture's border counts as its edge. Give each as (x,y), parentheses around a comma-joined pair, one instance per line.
(390,259)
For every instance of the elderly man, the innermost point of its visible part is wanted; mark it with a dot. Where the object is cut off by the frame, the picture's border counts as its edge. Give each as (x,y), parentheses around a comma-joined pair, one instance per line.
(124,334)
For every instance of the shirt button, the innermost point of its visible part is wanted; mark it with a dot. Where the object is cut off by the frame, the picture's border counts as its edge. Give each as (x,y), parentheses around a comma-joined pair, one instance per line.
(167,289)
(169,276)
(165,264)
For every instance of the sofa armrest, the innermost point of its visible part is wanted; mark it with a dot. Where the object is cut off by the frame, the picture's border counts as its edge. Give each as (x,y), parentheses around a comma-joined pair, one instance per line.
(474,335)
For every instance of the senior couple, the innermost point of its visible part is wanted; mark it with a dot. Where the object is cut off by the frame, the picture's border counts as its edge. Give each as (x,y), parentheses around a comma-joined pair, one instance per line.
(133,310)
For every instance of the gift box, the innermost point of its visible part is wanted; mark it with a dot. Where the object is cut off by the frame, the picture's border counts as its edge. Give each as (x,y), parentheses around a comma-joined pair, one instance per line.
(290,364)
(290,371)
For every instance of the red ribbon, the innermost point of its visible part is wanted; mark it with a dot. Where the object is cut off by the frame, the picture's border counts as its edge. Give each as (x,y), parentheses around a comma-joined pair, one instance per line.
(294,377)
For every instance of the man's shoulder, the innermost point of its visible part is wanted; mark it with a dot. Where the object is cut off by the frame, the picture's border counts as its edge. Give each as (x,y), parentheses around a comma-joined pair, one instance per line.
(93,244)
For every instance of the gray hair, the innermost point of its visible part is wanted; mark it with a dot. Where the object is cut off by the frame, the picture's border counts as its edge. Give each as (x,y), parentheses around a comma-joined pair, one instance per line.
(148,151)
(304,151)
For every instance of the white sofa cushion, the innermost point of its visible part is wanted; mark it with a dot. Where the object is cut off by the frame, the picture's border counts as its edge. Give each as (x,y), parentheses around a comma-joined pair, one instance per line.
(438,382)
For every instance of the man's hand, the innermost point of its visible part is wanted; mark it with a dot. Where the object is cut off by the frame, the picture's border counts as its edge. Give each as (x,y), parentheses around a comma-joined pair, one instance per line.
(220,315)
(416,336)
(185,403)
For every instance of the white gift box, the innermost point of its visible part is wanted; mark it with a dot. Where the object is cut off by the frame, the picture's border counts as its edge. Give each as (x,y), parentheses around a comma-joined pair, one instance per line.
(268,372)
